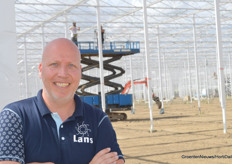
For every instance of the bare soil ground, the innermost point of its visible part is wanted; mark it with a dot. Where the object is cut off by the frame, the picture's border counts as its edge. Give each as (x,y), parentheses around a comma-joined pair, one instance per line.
(181,135)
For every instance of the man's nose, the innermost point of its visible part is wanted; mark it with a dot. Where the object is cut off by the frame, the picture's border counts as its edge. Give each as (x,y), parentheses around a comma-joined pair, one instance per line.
(63,72)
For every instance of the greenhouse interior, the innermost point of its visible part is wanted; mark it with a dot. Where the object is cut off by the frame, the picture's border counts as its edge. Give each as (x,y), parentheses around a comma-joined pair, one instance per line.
(171,49)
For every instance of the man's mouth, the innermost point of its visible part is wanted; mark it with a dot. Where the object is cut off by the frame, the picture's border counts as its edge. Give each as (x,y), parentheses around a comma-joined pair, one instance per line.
(62,84)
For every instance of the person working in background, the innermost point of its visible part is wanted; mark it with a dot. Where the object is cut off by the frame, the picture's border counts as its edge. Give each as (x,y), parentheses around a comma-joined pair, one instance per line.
(56,127)
(102,35)
(73,30)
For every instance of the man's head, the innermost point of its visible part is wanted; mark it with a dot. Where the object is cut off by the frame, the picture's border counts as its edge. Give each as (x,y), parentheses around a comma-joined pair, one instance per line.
(60,70)
(74,24)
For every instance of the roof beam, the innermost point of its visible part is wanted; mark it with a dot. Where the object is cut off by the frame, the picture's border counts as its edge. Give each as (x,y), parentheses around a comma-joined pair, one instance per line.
(52,18)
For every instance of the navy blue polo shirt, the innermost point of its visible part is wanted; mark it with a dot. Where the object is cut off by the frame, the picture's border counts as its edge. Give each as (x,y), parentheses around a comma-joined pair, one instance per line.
(29,132)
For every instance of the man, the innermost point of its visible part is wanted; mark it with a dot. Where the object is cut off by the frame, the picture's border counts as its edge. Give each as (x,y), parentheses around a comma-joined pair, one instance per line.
(73,30)
(56,127)
(102,35)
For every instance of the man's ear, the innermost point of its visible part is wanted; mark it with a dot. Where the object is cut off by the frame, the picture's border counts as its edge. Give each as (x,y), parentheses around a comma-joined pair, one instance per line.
(40,71)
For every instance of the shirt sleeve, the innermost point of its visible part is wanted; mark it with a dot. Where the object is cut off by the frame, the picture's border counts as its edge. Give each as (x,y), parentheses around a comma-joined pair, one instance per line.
(11,137)
(107,137)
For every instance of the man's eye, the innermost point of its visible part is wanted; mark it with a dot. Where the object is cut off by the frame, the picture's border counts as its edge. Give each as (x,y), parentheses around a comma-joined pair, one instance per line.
(54,64)
(71,65)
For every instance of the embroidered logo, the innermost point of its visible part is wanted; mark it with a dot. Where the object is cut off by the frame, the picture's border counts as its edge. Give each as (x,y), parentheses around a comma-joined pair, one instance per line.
(83,129)
(82,135)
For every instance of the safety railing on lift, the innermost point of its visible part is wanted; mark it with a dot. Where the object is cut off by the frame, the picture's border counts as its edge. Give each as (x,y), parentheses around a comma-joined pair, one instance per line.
(116,45)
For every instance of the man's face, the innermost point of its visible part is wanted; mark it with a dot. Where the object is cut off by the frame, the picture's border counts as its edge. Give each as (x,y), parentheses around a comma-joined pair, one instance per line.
(60,71)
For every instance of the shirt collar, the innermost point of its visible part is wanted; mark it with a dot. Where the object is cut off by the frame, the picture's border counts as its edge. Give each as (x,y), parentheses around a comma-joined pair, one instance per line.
(79,108)
(42,106)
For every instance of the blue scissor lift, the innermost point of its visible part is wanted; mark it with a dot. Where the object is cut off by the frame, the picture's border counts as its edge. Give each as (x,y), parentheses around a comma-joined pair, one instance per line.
(112,51)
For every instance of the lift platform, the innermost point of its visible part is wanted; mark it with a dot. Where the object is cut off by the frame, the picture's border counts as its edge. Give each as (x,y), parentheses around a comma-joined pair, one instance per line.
(112,51)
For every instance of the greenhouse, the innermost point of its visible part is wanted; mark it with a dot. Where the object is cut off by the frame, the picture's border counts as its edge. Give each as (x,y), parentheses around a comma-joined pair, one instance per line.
(149,57)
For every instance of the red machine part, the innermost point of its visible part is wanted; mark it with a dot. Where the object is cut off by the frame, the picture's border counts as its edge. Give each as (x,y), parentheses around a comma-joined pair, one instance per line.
(128,85)
(154,97)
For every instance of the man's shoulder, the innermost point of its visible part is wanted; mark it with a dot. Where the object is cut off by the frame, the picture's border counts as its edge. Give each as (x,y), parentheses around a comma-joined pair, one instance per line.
(21,104)
(94,114)
(92,111)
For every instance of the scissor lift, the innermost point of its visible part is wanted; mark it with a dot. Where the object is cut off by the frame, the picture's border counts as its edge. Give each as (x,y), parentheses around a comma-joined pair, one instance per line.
(112,51)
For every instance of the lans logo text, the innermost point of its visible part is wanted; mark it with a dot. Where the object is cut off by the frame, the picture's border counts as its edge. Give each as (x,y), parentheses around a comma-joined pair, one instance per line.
(82,135)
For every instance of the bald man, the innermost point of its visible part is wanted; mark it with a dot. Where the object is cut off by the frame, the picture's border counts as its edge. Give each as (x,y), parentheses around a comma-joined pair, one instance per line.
(56,127)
